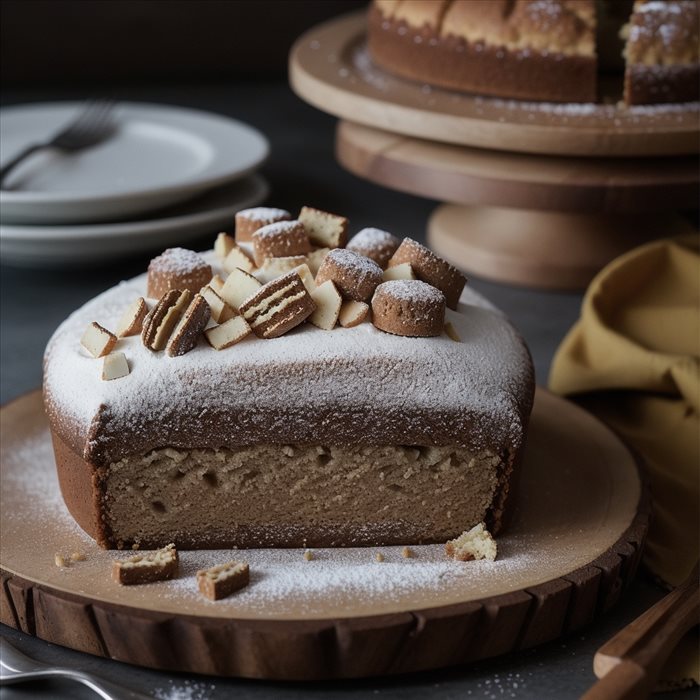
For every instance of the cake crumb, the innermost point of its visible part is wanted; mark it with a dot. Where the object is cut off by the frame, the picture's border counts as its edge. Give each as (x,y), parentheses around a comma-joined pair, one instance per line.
(406,552)
(135,546)
(60,561)
(379,556)
(78,556)
(308,555)
(477,543)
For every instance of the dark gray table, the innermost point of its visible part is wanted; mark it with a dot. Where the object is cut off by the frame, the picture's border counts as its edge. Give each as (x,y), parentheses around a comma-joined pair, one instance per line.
(301,170)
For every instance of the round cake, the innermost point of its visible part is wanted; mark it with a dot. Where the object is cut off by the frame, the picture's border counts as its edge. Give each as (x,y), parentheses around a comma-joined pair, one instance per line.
(192,419)
(553,50)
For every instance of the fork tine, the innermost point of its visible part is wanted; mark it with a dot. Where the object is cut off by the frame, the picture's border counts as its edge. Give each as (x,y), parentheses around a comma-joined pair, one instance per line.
(93,119)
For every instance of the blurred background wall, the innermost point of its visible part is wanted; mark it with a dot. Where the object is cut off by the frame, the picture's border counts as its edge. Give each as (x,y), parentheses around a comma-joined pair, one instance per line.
(64,41)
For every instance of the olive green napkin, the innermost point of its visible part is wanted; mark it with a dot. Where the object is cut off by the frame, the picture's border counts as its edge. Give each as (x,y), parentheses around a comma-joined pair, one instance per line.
(633,359)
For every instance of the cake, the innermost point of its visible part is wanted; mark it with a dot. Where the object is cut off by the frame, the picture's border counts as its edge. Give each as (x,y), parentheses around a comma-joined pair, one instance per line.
(292,420)
(552,50)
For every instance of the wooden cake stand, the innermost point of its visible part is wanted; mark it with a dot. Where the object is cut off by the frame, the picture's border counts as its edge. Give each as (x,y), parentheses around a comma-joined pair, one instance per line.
(563,190)
(575,542)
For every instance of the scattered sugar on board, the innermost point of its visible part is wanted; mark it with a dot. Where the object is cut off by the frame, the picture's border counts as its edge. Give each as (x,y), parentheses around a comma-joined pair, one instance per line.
(188,690)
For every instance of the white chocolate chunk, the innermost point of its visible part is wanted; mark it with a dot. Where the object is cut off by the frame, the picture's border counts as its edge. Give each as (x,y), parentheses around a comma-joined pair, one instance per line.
(238,287)
(353,313)
(451,332)
(324,228)
(404,271)
(131,321)
(272,268)
(223,245)
(98,341)
(216,284)
(315,258)
(238,258)
(228,333)
(114,366)
(306,277)
(328,302)
(220,310)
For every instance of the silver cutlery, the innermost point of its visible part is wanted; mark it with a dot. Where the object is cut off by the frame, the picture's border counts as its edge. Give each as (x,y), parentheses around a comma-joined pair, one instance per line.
(15,667)
(93,125)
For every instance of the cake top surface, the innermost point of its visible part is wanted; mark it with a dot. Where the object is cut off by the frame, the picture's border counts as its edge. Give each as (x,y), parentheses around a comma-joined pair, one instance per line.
(308,386)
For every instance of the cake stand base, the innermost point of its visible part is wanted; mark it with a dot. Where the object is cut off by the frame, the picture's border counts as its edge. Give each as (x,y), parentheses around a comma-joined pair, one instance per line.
(544,249)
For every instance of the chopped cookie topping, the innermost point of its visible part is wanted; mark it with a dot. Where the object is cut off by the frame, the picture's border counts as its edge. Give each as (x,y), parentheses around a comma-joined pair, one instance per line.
(375,244)
(403,271)
(323,228)
(355,276)
(353,313)
(451,332)
(163,317)
(177,268)
(221,581)
(160,565)
(131,321)
(115,366)
(190,327)
(278,306)
(328,303)
(281,239)
(409,308)
(228,333)
(431,268)
(98,341)
(248,221)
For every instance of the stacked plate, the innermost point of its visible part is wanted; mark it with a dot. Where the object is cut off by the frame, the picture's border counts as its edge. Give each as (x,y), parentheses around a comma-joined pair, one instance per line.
(165,176)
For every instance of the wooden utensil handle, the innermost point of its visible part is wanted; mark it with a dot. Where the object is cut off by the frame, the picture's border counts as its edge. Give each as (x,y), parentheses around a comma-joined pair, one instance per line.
(630,662)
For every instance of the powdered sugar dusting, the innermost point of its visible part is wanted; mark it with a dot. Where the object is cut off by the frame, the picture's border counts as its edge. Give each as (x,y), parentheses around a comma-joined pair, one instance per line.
(390,389)
(277,228)
(264,213)
(350,260)
(413,291)
(177,261)
(372,239)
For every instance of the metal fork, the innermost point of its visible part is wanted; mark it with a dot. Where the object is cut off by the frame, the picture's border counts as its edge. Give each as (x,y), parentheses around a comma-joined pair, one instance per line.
(15,667)
(92,126)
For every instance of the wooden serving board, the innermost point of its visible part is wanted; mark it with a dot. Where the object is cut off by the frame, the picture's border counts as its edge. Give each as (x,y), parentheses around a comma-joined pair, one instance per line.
(330,68)
(575,542)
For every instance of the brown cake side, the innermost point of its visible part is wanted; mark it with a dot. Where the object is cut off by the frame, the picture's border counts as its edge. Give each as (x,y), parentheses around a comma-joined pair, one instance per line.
(496,48)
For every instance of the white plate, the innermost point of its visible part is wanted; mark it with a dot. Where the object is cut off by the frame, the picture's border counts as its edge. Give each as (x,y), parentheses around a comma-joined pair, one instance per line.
(158,155)
(75,245)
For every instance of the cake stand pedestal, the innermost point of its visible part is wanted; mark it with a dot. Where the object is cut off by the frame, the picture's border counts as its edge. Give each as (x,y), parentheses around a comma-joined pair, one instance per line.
(527,219)
(562,190)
